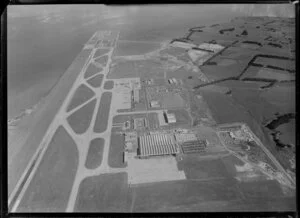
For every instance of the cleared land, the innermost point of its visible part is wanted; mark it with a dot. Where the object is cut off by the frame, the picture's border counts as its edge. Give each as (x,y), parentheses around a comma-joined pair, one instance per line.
(50,187)
(122,69)
(202,169)
(171,100)
(94,156)
(104,193)
(81,95)
(109,85)
(116,149)
(92,70)
(103,113)
(273,74)
(125,48)
(80,120)
(156,169)
(96,81)
(149,69)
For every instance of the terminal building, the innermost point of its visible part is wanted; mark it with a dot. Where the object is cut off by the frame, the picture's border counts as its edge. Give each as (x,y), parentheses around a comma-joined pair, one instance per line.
(156,145)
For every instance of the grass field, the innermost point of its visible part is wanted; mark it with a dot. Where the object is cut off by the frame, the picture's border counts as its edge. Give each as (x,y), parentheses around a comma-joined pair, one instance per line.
(100,52)
(172,100)
(104,193)
(286,64)
(121,118)
(81,95)
(134,48)
(80,120)
(273,74)
(109,85)
(149,69)
(51,186)
(202,169)
(103,113)
(94,156)
(102,60)
(120,69)
(183,196)
(116,148)
(96,81)
(92,70)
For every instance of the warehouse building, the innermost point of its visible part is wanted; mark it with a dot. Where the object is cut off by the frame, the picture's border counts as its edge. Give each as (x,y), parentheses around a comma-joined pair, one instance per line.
(157,144)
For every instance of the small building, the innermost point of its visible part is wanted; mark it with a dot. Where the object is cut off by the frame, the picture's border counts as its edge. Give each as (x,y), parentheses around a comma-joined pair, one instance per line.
(126,125)
(125,157)
(136,95)
(154,104)
(170,117)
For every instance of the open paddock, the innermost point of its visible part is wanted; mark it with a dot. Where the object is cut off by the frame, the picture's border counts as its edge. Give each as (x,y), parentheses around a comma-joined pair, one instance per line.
(274,74)
(286,64)
(104,193)
(198,168)
(185,196)
(173,51)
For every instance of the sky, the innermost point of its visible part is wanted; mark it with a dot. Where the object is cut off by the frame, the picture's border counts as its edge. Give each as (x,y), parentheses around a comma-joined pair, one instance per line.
(272,10)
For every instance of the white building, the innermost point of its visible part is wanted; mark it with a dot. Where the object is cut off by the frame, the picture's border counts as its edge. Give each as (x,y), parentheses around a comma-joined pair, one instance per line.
(154,104)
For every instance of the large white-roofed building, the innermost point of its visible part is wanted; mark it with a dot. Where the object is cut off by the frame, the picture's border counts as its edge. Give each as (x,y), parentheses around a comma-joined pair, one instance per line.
(157,144)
